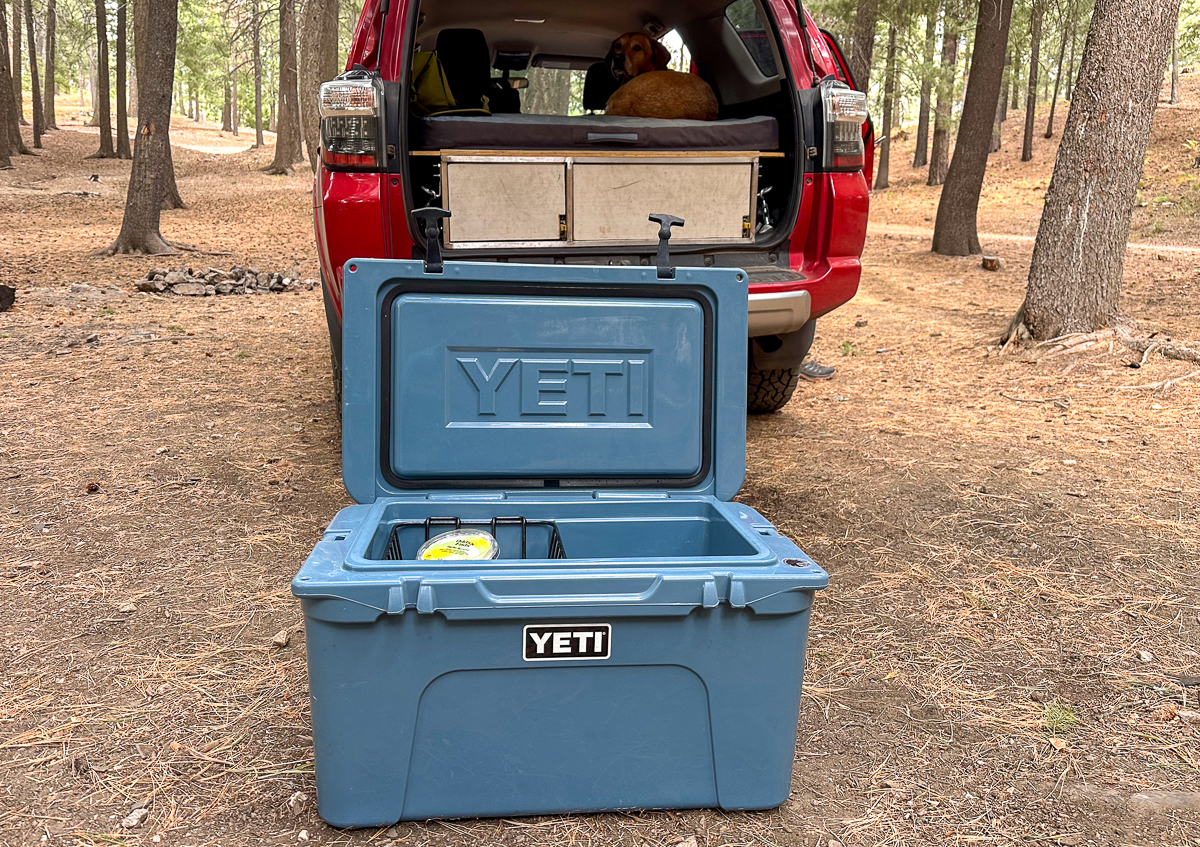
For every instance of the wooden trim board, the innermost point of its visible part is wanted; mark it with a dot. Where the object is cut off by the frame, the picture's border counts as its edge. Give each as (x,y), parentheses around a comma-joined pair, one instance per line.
(611,154)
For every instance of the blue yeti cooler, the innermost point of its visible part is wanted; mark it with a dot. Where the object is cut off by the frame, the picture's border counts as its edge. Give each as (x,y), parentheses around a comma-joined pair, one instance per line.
(639,640)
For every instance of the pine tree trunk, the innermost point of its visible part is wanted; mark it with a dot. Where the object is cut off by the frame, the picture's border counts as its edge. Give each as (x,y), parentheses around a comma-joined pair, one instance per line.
(49,119)
(998,125)
(234,117)
(287,140)
(103,113)
(1079,256)
(865,18)
(939,160)
(256,24)
(1069,91)
(35,87)
(1035,46)
(954,231)
(123,149)
(10,130)
(18,70)
(319,54)
(882,167)
(171,196)
(155,23)
(1175,67)
(1008,84)
(1062,52)
(921,156)
(227,108)
(133,83)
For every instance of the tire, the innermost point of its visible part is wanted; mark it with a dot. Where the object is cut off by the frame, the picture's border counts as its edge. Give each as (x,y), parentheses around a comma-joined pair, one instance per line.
(769,391)
(335,345)
(774,368)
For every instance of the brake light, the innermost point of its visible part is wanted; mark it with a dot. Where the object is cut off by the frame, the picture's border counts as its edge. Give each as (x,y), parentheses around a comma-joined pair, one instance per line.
(351,112)
(845,111)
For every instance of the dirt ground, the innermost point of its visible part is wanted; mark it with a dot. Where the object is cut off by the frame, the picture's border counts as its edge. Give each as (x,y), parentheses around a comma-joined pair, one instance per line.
(1003,656)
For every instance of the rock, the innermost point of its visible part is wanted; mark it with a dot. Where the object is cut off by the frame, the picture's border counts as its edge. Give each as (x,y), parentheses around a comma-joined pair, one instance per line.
(833,843)
(277,285)
(153,272)
(992,263)
(80,288)
(189,289)
(224,287)
(690,841)
(135,818)
(263,280)
(391,832)
(175,277)
(303,835)
(127,608)
(155,285)
(252,271)
(210,290)
(237,272)
(860,324)
(296,803)
(281,638)
(92,488)
(8,296)
(1145,656)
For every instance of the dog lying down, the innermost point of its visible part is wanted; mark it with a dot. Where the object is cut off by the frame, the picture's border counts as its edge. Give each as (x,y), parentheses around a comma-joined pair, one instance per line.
(648,89)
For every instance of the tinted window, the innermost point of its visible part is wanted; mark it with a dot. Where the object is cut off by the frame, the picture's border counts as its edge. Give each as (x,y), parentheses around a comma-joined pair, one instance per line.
(743,16)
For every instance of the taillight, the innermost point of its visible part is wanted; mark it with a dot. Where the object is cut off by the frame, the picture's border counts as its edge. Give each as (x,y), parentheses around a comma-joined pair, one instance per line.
(351,123)
(845,111)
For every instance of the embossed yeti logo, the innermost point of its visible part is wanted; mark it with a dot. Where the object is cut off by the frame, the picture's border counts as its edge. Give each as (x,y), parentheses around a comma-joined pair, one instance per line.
(577,387)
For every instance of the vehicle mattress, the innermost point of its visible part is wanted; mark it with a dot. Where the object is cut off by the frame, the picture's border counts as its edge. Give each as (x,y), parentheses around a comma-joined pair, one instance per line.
(594,132)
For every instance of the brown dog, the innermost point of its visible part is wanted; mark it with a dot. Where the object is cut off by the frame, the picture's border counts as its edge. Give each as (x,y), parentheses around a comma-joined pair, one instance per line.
(648,89)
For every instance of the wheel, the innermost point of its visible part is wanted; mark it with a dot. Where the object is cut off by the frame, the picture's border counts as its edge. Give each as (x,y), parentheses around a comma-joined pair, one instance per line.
(769,391)
(774,368)
(335,344)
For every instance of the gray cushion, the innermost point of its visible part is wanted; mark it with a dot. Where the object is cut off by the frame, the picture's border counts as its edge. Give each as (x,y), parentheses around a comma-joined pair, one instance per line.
(594,132)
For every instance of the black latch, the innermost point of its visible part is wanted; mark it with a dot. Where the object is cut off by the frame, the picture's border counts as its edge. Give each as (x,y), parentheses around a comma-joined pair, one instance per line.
(665,222)
(430,229)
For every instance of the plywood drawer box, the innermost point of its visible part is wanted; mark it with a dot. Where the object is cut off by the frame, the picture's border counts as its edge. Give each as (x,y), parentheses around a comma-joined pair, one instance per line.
(555,200)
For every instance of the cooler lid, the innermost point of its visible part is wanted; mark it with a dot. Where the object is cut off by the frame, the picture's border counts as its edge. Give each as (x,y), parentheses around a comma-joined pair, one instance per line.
(509,376)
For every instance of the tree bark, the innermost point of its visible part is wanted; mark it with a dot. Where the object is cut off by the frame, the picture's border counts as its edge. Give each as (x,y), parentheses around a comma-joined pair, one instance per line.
(954,231)
(35,87)
(1070,87)
(1175,67)
(155,23)
(123,149)
(10,129)
(865,18)
(889,98)
(18,70)
(287,140)
(1062,52)
(49,119)
(101,105)
(234,117)
(1035,45)
(921,156)
(1079,255)
(939,160)
(227,107)
(256,25)
(319,54)
(132,86)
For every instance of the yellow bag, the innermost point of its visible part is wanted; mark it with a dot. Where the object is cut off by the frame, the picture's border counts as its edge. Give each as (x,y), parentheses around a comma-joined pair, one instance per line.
(429,94)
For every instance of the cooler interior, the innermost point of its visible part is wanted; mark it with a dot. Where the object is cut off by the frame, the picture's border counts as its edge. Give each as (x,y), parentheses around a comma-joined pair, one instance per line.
(589,530)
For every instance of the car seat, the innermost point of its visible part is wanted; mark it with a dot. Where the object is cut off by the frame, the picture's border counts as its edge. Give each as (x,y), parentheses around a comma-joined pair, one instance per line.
(598,85)
(467,62)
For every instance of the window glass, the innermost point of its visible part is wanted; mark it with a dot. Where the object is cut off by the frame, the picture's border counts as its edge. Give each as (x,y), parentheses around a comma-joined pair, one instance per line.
(743,16)
(553,91)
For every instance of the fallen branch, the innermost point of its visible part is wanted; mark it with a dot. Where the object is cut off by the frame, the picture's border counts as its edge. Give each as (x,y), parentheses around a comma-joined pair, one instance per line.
(1164,384)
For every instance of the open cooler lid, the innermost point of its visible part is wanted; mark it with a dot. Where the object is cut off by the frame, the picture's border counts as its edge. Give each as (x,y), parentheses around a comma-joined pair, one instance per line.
(494,376)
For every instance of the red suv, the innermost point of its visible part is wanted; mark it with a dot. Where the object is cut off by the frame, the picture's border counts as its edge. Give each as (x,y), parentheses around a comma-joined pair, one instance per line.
(494,110)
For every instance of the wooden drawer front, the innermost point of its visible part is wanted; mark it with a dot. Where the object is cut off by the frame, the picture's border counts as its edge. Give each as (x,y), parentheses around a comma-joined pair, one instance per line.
(611,201)
(505,201)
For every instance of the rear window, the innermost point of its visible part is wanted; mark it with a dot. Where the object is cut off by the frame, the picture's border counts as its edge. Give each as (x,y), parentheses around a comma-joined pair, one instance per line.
(743,17)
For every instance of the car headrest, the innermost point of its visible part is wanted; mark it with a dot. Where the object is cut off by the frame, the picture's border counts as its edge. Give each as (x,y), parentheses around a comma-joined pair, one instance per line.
(467,62)
(598,85)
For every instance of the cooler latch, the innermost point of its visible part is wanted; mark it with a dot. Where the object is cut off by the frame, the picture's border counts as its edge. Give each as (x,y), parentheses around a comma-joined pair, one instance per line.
(429,228)
(665,222)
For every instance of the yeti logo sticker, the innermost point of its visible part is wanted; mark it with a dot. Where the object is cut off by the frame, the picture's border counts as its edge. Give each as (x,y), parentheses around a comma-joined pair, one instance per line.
(559,642)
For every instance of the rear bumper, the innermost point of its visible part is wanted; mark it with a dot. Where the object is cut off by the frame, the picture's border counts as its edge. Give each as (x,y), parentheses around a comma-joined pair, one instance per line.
(778,312)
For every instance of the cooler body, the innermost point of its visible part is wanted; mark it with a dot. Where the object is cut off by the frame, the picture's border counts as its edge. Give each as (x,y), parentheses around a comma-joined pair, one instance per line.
(538,687)
(639,640)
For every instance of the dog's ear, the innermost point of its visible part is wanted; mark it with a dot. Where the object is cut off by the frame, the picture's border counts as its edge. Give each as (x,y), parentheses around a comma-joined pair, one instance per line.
(662,56)
(616,68)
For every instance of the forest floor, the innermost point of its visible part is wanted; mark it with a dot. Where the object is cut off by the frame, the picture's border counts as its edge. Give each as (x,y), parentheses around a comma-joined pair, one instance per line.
(1012,540)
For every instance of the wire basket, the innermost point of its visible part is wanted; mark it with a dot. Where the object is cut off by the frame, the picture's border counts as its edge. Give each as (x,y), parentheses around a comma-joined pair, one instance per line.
(534,534)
